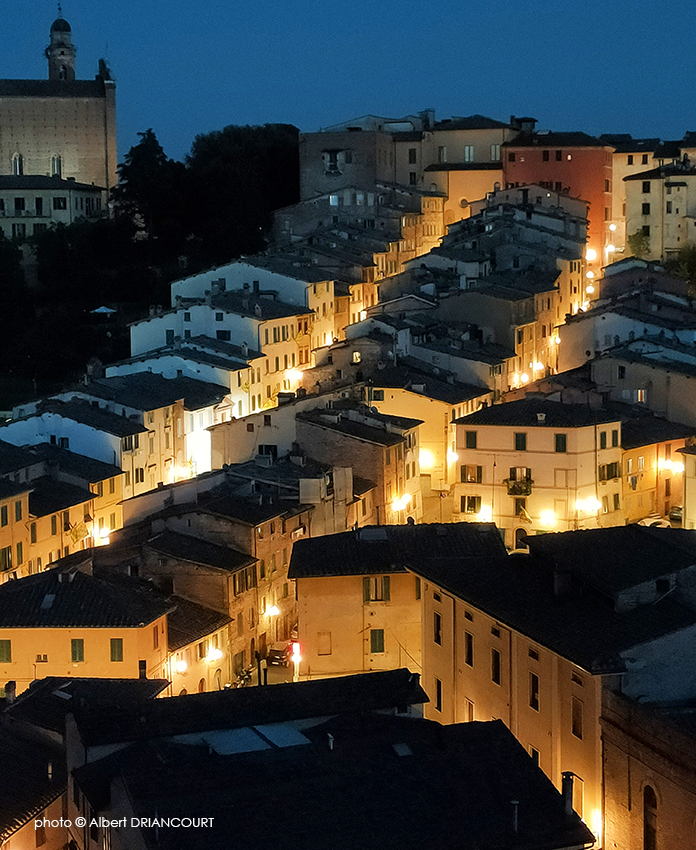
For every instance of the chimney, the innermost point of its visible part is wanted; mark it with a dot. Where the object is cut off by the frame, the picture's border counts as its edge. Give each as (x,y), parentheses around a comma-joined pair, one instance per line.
(151,310)
(256,287)
(515,815)
(245,349)
(10,692)
(567,791)
(541,418)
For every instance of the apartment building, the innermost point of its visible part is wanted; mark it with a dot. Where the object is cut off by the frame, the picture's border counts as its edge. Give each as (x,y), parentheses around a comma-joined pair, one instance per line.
(535,465)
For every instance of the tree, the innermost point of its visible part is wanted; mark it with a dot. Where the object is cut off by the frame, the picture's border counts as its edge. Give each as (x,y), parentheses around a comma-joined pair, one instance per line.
(237,176)
(684,264)
(151,190)
(639,244)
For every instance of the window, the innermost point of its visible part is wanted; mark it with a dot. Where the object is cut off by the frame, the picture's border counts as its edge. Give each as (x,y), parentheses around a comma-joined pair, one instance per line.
(520,507)
(418,587)
(534,753)
(610,471)
(520,442)
(576,722)
(649,819)
(376,589)
(376,641)
(155,637)
(412,156)
(323,643)
(20,553)
(60,203)
(605,504)
(511,157)
(438,695)
(561,442)
(3,515)
(495,153)
(77,650)
(169,336)
(17,165)
(18,511)
(533,654)
(495,666)
(645,209)
(472,474)
(412,178)
(468,649)
(545,156)
(644,159)
(615,438)
(442,154)
(54,525)
(140,475)
(534,691)
(437,628)
(333,200)
(669,207)
(468,153)
(348,157)
(117,649)
(5,651)
(471,439)
(19,231)
(645,230)
(32,532)
(470,504)
(559,156)
(223,336)
(630,159)
(617,502)
(646,187)
(378,395)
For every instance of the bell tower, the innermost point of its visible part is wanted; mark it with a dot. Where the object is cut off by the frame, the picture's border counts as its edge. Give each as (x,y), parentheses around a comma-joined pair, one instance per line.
(61,51)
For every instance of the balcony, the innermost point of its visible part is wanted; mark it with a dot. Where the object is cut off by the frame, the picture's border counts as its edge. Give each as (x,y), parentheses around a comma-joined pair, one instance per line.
(519,488)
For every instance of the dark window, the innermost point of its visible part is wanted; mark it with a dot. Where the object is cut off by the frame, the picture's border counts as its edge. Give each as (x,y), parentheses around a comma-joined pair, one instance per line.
(645,230)
(412,155)
(19,204)
(223,336)
(471,439)
(617,502)
(646,187)
(534,691)
(412,178)
(534,654)
(438,695)
(54,524)
(32,532)
(520,442)
(630,159)
(469,649)
(622,372)
(376,640)
(418,587)
(559,156)
(615,437)
(5,651)
(561,442)
(495,666)
(649,819)
(520,507)
(437,628)
(511,157)
(60,203)
(169,336)
(576,723)
(117,649)
(545,155)
(4,517)
(646,209)
(603,440)
(644,159)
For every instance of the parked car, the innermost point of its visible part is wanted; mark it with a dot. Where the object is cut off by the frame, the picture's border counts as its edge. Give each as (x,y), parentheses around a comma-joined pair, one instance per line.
(655,522)
(278,655)
(676,514)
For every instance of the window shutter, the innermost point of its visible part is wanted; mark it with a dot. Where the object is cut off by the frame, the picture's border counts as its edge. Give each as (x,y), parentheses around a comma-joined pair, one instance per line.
(479,474)
(513,473)
(366,589)
(385,588)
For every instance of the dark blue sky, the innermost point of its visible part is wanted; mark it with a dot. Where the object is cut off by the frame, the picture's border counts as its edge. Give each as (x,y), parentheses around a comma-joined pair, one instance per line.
(183,69)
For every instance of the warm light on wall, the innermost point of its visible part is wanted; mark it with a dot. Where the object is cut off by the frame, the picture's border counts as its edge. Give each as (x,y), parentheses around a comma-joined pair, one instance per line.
(524,377)
(612,227)
(426,459)
(596,824)
(538,366)
(399,504)
(452,457)
(588,506)
(610,248)
(670,465)
(293,375)
(589,289)
(547,519)
(590,254)
(590,275)
(363,315)
(181,666)
(273,611)
(485,514)
(214,655)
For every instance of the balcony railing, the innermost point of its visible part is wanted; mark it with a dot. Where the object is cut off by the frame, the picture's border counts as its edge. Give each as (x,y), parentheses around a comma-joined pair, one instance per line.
(519,488)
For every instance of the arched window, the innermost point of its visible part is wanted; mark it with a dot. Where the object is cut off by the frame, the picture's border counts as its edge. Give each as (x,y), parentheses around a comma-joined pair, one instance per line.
(183,692)
(17,164)
(56,166)
(649,819)
(201,686)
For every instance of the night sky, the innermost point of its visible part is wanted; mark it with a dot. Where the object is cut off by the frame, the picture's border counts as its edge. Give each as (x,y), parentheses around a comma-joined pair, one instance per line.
(184,68)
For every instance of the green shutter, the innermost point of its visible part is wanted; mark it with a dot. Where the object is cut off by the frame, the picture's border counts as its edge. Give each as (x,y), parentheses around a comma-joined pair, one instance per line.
(366,589)
(5,651)
(479,474)
(386,588)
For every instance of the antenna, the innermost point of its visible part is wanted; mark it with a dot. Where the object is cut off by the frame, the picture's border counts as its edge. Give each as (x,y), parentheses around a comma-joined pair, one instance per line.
(60,11)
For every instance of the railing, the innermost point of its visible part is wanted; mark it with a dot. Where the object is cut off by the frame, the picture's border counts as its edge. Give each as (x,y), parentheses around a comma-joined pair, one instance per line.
(519,488)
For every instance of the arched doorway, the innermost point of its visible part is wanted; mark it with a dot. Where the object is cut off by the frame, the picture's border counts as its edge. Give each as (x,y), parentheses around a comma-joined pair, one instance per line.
(649,819)
(520,538)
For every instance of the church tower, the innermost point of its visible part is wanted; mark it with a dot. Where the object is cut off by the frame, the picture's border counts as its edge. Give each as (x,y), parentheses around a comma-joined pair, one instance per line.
(61,51)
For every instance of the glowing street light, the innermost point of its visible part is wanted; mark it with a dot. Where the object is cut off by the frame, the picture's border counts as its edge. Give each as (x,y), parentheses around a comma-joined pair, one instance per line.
(273,611)
(547,519)
(590,254)
(426,459)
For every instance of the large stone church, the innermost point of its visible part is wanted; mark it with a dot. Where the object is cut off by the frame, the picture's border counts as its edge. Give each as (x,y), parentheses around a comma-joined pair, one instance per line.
(60,127)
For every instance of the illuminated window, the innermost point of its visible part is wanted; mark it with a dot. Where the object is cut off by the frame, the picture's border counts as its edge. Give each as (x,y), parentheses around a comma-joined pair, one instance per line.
(117,649)
(376,589)
(77,650)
